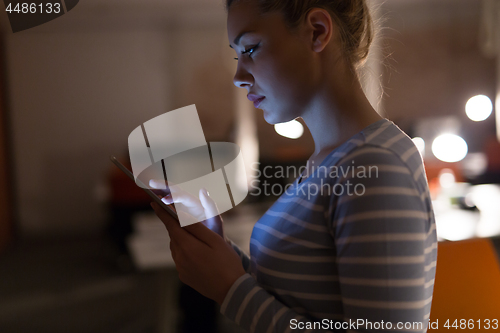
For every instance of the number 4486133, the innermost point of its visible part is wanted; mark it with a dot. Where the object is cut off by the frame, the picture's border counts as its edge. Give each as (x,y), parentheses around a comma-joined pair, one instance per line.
(462,324)
(34,8)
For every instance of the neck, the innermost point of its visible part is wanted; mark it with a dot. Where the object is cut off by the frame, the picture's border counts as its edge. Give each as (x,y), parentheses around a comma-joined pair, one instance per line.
(337,112)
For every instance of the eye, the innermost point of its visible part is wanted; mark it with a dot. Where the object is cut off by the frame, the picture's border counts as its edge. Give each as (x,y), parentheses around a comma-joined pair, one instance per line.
(249,51)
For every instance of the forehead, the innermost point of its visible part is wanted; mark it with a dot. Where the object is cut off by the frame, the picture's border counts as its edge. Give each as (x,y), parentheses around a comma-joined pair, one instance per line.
(245,16)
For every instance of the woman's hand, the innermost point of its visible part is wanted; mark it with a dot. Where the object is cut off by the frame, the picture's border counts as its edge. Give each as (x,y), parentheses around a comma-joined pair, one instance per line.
(188,202)
(204,206)
(204,259)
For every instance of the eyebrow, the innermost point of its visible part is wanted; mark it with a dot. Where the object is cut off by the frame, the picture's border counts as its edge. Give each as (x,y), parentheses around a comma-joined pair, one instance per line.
(237,39)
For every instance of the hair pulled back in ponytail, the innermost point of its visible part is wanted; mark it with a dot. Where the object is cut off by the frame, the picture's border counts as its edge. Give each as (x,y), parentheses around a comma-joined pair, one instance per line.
(352,17)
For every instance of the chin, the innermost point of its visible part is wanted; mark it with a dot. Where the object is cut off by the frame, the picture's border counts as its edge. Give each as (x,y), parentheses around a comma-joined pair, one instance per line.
(274,118)
(269,119)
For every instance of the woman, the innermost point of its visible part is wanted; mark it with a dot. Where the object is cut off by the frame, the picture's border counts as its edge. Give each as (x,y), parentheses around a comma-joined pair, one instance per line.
(351,245)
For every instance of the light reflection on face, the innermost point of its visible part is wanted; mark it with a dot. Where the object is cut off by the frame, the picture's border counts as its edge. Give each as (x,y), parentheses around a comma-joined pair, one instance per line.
(272,61)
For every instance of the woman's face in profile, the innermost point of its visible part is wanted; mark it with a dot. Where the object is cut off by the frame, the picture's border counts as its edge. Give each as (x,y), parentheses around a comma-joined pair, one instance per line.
(272,61)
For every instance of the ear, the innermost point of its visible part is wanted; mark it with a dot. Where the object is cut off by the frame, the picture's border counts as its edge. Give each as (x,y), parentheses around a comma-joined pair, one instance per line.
(319,21)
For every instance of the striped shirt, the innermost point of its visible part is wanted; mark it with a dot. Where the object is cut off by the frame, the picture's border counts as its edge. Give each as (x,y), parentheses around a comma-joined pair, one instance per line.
(354,243)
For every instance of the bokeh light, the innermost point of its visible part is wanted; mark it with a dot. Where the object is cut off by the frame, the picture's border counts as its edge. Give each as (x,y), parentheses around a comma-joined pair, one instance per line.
(420,143)
(478,108)
(449,148)
(446,178)
(292,129)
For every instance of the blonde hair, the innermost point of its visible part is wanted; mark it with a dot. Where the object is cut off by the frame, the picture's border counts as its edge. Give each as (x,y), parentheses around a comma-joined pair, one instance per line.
(352,17)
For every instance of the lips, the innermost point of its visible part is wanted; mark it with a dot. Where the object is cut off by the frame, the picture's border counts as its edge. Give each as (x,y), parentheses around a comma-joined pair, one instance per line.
(256,99)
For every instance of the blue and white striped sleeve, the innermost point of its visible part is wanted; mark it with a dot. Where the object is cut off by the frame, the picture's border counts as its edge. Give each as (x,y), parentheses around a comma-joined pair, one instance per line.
(381,226)
(256,310)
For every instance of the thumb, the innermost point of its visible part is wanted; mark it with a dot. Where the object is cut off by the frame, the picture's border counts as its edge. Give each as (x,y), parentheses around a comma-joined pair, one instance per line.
(208,203)
(158,184)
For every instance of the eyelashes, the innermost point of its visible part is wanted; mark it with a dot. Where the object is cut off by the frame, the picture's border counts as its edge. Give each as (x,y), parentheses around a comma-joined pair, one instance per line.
(249,51)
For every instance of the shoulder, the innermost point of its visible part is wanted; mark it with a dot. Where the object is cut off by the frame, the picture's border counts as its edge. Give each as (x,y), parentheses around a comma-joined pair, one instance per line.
(383,160)
(381,179)
(389,149)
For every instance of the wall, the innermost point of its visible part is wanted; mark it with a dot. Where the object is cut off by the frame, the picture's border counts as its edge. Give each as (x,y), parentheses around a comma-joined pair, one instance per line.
(78,86)
(434,64)
(74,100)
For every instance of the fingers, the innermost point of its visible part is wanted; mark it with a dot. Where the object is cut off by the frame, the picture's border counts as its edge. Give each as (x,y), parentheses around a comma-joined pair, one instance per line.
(174,209)
(158,184)
(208,204)
(174,228)
(207,236)
(173,249)
(177,195)
(213,220)
(167,199)
(188,235)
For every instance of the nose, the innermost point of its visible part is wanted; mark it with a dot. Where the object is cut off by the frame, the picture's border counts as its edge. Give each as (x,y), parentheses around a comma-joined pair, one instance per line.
(242,78)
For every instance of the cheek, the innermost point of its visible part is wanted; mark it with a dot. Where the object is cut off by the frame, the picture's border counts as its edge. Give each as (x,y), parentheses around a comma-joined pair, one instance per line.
(282,78)
(293,72)
(283,74)
(276,67)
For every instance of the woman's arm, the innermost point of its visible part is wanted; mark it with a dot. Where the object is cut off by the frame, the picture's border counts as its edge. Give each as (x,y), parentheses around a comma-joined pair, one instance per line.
(385,241)
(245,260)
(247,300)
(385,277)
(208,262)
(256,310)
